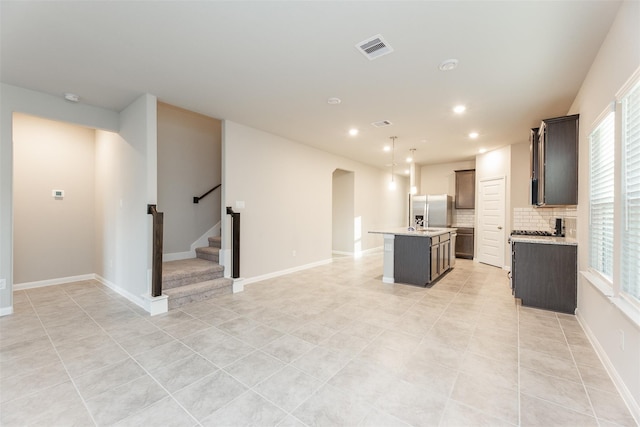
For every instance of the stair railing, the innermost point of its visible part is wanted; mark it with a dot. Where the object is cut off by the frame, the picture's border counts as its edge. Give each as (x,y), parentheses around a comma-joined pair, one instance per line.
(235,242)
(197,199)
(156,263)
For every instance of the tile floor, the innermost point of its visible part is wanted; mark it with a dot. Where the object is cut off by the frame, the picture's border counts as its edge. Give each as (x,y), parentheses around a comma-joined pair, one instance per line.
(328,346)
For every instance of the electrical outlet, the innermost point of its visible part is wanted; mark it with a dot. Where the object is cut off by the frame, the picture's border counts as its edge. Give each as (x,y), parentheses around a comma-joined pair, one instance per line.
(3,283)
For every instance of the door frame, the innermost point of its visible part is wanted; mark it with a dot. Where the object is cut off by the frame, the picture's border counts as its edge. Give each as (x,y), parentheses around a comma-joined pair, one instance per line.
(480,228)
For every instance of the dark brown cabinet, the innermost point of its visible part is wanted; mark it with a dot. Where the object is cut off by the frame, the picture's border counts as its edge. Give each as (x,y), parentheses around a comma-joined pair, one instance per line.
(464,242)
(420,260)
(534,164)
(556,175)
(466,189)
(545,275)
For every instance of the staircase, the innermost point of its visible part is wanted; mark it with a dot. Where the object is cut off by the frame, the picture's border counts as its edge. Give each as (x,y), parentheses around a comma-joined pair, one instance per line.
(195,279)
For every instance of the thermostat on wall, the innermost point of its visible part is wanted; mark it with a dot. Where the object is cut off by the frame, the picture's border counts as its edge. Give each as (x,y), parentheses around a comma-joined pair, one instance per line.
(57,194)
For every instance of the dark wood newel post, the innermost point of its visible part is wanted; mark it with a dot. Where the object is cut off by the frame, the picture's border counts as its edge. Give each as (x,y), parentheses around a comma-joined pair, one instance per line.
(235,242)
(156,264)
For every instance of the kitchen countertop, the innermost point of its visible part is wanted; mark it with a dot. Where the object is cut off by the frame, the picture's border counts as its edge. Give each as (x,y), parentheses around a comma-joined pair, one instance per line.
(545,240)
(404,231)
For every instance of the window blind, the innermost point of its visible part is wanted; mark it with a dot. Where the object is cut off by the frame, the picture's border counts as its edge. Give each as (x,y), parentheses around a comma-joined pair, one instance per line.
(601,192)
(631,193)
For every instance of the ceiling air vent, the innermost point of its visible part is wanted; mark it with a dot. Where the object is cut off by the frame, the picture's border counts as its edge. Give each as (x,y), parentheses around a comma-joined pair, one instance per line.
(382,123)
(374,47)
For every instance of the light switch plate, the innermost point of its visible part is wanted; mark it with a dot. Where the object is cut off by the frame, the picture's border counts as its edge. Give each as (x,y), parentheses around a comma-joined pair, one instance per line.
(239,204)
(3,283)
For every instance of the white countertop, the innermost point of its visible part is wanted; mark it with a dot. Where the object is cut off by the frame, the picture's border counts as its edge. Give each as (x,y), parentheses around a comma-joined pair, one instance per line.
(546,240)
(404,231)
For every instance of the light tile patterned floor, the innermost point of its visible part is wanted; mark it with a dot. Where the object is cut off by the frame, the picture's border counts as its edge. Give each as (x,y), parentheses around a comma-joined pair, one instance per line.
(328,346)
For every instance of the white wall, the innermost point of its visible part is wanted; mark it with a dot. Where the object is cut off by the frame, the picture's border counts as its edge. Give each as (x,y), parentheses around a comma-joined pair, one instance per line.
(189,165)
(618,58)
(53,238)
(287,191)
(15,99)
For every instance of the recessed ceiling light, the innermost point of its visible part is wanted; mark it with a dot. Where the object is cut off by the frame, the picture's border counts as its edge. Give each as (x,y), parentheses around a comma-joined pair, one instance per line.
(387,148)
(406,171)
(459,109)
(482,150)
(474,135)
(409,159)
(334,101)
(353,131)
(71,97)
(448,64)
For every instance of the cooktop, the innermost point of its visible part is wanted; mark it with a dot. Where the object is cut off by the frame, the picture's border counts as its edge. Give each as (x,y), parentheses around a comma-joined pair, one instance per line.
(530,233)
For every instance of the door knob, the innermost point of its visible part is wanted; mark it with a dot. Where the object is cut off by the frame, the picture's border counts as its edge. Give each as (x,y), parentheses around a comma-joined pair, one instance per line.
(499,228)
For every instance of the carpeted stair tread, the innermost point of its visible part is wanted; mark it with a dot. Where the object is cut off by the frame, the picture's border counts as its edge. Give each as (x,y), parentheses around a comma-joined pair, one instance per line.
(215,241)
(209,253)
(198,291)
(186,271)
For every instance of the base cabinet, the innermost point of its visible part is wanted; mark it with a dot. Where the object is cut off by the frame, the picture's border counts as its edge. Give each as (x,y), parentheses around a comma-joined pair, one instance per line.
(421,260)
(464,242)
(545,275)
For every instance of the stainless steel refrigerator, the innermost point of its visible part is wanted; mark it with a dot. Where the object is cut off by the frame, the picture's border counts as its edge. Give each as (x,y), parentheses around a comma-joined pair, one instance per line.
(432,210)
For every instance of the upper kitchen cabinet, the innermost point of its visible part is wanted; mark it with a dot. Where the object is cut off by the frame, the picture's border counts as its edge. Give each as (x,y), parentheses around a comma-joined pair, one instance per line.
(466,189)
(555,179)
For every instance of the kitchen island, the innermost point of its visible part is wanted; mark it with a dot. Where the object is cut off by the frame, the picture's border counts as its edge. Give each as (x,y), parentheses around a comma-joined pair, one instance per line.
(418,257)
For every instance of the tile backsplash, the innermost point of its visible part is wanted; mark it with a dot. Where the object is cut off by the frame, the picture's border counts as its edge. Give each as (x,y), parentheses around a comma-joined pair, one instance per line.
(543,219)
(464,217)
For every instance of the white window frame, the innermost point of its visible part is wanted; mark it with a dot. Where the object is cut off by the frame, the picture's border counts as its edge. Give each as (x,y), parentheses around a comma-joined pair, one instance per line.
(630,85)
(607,280)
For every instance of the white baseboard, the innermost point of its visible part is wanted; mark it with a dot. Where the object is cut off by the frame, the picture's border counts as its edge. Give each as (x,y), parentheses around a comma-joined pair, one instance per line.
(149,304)
(156,305)
(201,242)
(137,300)
(52,282)
(238,285)
(287,271)
(358,253)
(178,256)
(627,396)
(224,259)
(342,253)
(204,239)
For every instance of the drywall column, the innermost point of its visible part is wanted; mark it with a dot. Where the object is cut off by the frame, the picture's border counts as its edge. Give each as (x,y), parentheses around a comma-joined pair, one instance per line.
(138,128)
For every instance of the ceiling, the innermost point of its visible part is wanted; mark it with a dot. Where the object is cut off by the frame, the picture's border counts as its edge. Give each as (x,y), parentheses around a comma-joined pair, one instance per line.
(273,65)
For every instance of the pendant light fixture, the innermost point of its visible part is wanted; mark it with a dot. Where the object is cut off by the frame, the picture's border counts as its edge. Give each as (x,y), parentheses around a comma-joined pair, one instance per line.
(392,184)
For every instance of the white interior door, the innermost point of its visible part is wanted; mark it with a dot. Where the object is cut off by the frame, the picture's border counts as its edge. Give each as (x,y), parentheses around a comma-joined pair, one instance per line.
(491,232)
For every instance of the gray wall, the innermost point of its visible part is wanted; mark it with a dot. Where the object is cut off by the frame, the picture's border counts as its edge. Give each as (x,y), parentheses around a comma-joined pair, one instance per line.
(441,178)
(15,99)
(342,211)
(286,187)
(189,164)
(604,321)
(124,178)
(53,238)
